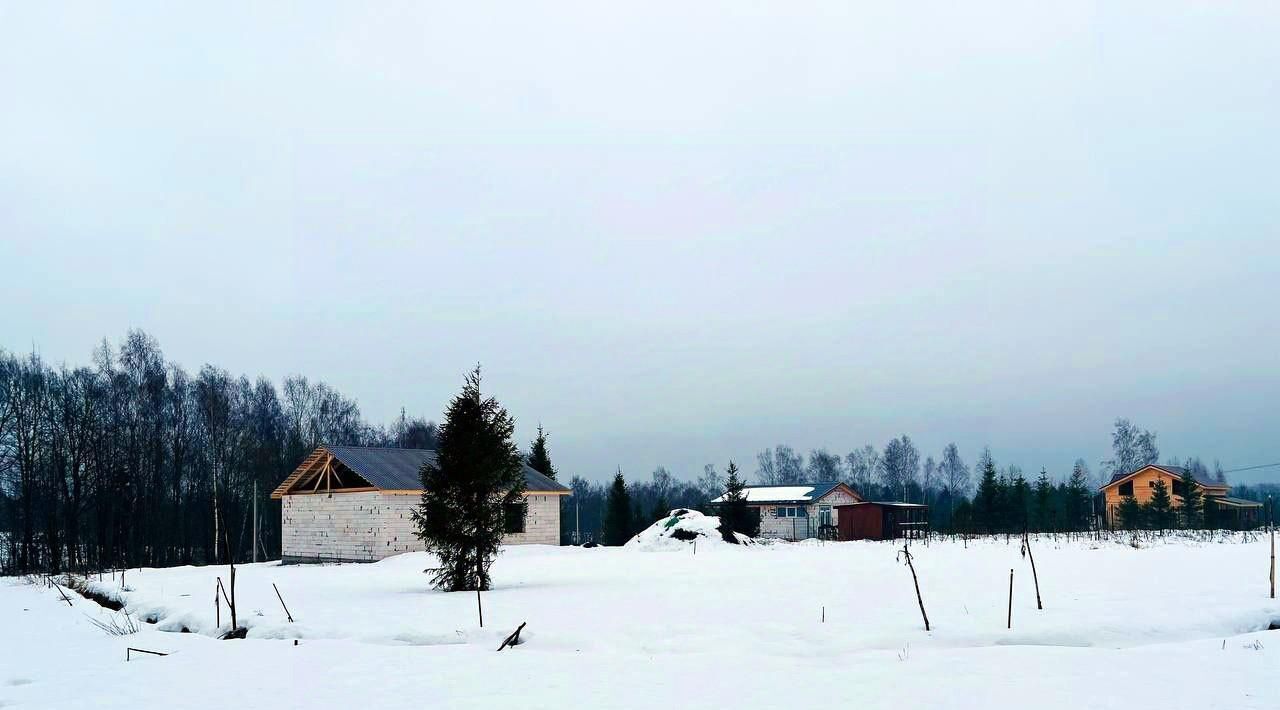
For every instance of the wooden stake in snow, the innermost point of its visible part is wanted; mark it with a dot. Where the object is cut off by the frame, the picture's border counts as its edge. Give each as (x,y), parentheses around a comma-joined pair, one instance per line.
(286,609)
(1273,562)
(1026,550)
(217,604)
(68,600)
(905,553)
(514,638)
(479,579)
(129,651)
(1010,625)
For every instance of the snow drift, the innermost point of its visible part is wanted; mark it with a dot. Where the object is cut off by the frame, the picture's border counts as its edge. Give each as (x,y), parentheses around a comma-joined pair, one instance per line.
(681,528)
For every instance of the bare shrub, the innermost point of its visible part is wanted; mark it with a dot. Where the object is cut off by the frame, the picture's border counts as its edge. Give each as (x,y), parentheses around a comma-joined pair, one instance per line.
(119,624)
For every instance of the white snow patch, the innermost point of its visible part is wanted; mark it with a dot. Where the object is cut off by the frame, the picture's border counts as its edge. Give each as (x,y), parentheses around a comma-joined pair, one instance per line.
(770,494)
(680,529)
(610,627)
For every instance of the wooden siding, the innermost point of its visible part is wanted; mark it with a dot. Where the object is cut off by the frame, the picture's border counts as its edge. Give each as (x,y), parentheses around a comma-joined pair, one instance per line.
(1142,481)
(370,526)
(862,522)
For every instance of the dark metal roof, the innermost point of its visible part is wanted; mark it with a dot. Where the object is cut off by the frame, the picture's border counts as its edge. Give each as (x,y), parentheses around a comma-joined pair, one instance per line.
(397,469)
(884,504)
(1238,502)
(1175,470)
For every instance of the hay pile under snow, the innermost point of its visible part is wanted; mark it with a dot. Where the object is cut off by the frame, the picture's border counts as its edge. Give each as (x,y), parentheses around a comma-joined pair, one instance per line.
(681,528)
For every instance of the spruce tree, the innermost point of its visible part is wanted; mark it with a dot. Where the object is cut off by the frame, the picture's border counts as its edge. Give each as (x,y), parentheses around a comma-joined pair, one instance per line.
(540,457)
(1130,513)
(1003,505)
(1043,498)
(466,491)
(962,518)
(1019,503)
(987,500)
(617,513)
(1160,507)
(1192,501)
(735,515)
(1078,494)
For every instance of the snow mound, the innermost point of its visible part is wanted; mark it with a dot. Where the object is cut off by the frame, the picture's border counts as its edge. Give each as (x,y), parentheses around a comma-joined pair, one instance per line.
(681,528)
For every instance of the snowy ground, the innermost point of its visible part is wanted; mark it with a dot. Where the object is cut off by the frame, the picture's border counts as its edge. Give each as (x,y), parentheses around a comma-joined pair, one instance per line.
(1170,625)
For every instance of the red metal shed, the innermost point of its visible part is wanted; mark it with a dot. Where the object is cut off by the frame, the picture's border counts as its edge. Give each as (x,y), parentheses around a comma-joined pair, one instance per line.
(881,521)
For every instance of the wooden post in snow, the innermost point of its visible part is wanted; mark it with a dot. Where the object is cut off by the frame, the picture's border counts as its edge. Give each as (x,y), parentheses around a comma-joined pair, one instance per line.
(514,638)
(1026,548)
(68,600)
(217,605)
(1010,623)
(479,580)
(919,600)
(286,609)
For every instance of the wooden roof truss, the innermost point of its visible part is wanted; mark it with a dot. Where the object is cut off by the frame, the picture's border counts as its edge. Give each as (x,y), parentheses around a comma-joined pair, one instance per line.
(322,472)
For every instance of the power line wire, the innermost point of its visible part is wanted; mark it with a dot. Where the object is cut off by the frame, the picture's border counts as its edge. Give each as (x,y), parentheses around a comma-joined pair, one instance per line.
(1251,468)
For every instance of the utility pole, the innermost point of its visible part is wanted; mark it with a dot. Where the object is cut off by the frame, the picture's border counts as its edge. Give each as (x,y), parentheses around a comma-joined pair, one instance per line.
(577,528)
(255,521)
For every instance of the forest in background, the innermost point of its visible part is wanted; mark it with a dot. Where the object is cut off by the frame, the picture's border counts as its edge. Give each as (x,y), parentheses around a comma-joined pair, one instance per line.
(135,461)
(984,498)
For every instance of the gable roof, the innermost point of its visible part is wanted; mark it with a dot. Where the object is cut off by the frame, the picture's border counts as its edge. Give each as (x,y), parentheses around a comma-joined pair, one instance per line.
(1175,471)
(795,493)
(397,469)
(1235,502)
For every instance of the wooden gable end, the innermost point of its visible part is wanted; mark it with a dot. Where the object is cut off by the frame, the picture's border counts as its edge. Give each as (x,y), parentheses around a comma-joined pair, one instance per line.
(321,472)
(838,495)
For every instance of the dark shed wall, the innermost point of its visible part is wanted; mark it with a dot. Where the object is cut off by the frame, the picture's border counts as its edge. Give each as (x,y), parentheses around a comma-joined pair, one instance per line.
(861,521)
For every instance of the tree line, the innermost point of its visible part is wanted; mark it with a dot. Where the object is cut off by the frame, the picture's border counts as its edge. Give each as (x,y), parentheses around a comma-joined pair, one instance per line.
(136,461)
(1002,501)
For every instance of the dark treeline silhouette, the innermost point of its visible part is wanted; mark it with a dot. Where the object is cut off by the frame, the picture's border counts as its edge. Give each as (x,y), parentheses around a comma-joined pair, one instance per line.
(135,461)
(587,515)
(985,499)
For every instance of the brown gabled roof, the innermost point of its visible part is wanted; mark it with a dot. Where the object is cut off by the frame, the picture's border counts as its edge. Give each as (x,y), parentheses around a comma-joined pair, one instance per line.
(1175,471)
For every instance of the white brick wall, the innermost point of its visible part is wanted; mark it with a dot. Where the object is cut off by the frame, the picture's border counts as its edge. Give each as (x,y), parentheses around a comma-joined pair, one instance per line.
(364,527)
(541,522)
(800,528)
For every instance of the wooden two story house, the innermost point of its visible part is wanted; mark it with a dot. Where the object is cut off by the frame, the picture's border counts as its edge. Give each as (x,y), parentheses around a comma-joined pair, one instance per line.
(1220,508)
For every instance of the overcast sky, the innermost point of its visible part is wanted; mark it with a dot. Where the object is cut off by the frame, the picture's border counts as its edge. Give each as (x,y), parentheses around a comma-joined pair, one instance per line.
(674,233)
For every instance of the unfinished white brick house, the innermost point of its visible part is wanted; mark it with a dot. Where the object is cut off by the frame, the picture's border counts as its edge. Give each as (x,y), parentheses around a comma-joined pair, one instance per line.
(352,503)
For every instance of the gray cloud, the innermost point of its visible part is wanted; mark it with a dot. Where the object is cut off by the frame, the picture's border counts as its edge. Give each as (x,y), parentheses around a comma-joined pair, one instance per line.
(674,234)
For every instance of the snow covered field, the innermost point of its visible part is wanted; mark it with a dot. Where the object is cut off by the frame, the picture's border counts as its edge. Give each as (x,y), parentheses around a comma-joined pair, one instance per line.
(1170,625)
